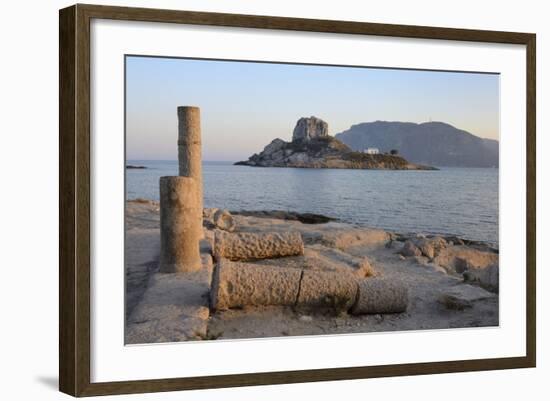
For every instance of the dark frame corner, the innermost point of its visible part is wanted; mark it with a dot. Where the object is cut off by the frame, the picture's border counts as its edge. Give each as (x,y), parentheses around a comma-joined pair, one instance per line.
(74,198)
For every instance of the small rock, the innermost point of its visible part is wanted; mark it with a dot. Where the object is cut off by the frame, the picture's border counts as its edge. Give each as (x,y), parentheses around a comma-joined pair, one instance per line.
(461,265)
(410,249)
(460,258)
(438,269)
(486,278)
(390,244)
(431,247)
(223,220)
(454,240)
(208,213)
(305,318)
(454,303)
(421,260)
(463,297)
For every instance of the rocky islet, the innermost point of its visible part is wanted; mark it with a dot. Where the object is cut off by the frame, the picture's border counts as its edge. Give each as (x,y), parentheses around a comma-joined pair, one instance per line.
(313,147)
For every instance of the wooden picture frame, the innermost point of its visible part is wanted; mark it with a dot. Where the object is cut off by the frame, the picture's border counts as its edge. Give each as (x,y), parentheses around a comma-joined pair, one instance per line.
(74,199)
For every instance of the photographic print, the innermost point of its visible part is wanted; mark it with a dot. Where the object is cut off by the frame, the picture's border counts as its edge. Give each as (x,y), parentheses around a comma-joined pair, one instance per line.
(260,186)
(274,199)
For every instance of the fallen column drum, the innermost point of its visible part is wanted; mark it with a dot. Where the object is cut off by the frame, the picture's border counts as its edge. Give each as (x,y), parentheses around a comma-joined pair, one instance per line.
(237,284)
(324,289)
(380,295)
(250,246)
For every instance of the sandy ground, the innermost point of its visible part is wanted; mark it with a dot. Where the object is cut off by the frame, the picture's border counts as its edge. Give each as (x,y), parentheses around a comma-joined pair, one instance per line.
(161,307)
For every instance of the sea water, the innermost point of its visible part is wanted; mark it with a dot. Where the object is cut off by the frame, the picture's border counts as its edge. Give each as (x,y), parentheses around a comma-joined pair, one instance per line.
(451,201)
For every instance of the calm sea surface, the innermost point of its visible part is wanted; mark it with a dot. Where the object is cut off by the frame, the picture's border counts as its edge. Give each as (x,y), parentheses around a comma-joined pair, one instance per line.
(457,201)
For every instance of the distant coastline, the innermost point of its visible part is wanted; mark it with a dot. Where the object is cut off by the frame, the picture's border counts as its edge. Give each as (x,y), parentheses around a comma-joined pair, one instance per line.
(434,143)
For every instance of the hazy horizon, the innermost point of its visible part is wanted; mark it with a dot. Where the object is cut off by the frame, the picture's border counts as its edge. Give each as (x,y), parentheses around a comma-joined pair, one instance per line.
(245,105)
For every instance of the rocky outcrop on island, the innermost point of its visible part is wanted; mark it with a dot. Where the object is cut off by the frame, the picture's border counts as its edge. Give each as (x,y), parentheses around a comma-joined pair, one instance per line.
(309,128)
(313,147)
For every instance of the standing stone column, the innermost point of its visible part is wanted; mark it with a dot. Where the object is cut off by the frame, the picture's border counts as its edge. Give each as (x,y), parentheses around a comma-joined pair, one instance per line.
(181,200)
(180,224)
(189,144)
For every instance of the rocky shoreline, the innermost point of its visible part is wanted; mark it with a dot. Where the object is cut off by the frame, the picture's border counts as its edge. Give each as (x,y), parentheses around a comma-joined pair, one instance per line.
(451,282)
(306,218)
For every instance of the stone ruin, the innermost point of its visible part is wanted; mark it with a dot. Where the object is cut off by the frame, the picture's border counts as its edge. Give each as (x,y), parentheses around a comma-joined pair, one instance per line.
(181,200)
(236,283)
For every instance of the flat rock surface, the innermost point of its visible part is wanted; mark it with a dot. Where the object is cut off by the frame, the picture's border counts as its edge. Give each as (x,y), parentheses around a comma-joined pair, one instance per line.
(464,296)
(141,248)
(175,307)
(141,256)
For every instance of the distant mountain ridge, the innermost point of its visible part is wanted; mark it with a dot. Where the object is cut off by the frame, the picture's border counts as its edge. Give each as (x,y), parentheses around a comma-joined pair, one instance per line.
(431,143)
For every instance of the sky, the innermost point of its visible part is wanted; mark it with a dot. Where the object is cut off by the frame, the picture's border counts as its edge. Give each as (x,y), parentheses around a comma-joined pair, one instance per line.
(245,105)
